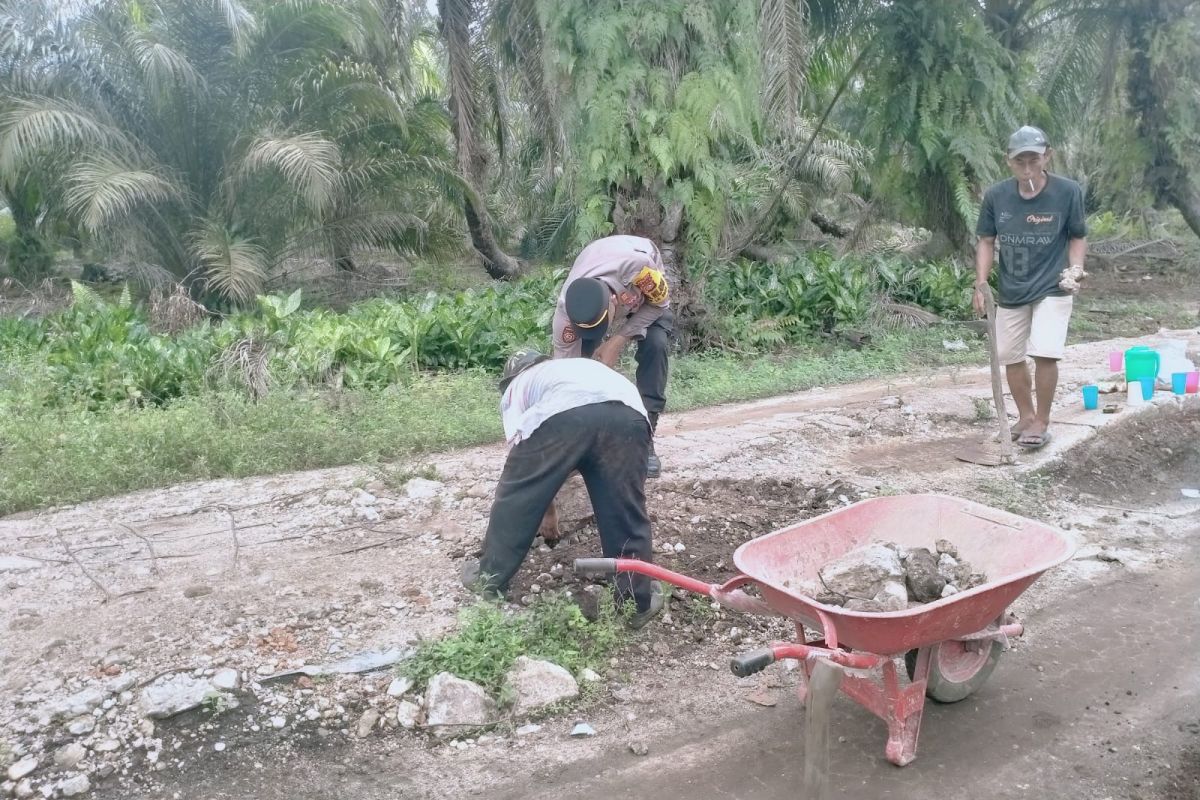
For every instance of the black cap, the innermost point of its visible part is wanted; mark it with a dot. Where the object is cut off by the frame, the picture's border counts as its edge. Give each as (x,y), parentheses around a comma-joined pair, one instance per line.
(587,301)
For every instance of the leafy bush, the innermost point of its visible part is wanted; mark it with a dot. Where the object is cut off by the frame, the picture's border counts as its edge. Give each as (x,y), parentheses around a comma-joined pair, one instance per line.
(102,352)
(768,305)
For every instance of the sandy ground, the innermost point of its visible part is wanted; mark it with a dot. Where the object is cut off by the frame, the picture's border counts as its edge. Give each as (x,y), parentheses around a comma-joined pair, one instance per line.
(1098,699)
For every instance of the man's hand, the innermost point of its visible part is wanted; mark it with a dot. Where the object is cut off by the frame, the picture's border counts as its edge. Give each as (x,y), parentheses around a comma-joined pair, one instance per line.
(978,299)
(610,351)
(1070,277)
(548,529)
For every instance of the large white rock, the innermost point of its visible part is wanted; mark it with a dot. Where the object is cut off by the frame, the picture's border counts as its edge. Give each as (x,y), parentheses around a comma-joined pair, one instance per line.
(536,684)
(453,705)
(423,489)
(227,678)
(69,755)
(174,694)
(861,574)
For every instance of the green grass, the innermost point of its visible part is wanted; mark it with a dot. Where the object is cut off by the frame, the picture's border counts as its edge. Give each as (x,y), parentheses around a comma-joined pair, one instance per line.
(1096,318)
(68,454)
(488,640)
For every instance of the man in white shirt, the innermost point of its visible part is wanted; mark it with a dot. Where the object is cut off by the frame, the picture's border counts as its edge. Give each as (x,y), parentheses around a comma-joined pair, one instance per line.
(560,416)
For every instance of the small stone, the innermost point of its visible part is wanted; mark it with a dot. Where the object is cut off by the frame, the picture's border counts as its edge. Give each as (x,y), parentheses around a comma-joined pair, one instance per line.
(197,590)
(367,513)
(661,649)
(24,789)
(589,675)
(81,726)
(949,589)
(363,498)
(583,729)
(680,547)
(107,746)
(536,684)
(67,756)
(219,747)
(399,686)
(526,730)
(366,723)
(22,768)
(227,678)
(407,714)
(921,576)
(278,722)
(947,547)
(736,634)
(639,747)
(76,784)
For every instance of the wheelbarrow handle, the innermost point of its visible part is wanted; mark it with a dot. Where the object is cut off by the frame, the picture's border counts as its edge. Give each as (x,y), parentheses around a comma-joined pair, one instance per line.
(595,567)
(752,662)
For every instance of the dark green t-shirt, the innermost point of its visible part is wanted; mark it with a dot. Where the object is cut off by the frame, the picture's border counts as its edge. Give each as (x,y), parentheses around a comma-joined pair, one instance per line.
(1032,235)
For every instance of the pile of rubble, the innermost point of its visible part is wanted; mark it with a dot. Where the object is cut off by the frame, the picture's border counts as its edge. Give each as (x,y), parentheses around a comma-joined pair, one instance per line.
(68,737)
(884,576)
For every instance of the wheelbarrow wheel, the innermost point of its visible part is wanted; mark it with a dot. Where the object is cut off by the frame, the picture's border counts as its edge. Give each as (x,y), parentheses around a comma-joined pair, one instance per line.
(955,669)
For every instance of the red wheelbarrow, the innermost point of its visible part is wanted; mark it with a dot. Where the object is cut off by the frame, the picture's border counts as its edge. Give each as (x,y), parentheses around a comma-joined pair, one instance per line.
(950,646)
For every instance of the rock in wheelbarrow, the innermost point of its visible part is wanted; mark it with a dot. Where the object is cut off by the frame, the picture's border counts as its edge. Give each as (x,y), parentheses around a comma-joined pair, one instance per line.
(862,574)
(925,583)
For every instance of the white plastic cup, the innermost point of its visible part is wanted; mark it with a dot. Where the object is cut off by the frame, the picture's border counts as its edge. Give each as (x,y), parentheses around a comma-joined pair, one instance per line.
(1133,394)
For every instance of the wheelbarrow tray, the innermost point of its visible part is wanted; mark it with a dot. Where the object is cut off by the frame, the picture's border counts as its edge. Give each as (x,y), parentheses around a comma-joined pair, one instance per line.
(1010,550)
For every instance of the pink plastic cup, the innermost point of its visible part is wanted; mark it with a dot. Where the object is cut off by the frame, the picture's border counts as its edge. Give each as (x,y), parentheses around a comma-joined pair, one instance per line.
(1116,361)
(1191,384)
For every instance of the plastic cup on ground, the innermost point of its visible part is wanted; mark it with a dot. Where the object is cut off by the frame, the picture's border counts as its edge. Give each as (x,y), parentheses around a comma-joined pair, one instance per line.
(1091,397)
(1116,361)
(1179,382)
(1133,394)
(1192,386)
(1147,388)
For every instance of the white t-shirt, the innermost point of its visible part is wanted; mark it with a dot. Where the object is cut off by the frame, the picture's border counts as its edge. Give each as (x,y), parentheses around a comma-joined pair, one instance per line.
(552,387)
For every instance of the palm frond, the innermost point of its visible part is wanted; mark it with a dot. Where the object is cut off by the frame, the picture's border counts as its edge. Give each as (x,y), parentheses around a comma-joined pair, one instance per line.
(784,48)
(101,189)
(164,67)
(31,125)
(308,162)
(232,265)
(241,24)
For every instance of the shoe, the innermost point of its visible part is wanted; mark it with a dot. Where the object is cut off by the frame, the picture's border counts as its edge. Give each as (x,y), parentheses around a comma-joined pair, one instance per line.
(653,465)
(639,620)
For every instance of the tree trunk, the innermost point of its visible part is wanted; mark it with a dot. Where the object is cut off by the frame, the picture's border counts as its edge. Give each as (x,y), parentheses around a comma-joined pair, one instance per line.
(456,18)
(1154,97)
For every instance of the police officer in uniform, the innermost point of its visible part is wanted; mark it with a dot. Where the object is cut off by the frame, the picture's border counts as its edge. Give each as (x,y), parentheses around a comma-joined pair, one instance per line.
(560,416)
(617,292)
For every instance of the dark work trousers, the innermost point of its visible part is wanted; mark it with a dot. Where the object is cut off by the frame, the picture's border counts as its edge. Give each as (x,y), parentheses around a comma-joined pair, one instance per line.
(609,444)
(652,366)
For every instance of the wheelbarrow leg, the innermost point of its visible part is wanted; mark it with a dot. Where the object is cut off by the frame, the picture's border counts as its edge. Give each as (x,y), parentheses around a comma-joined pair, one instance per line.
(904,707)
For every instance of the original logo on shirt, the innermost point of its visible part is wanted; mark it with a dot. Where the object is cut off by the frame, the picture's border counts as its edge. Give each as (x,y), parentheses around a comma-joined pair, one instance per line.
(651,283)
(1039,219)
(568,334)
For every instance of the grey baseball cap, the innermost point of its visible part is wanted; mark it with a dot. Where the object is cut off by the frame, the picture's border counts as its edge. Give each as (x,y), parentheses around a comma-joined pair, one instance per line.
(1027,139)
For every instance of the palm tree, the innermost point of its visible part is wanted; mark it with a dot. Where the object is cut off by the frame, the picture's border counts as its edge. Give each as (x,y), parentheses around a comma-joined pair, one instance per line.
(472,73)
(209,138)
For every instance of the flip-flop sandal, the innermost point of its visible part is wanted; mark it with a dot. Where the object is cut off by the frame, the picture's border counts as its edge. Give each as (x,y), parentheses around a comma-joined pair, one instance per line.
(1035,442)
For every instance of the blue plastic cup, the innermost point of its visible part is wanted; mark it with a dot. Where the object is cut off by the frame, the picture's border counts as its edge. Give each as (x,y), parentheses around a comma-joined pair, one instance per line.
(1147,388)
(1091,397)
(1179,382)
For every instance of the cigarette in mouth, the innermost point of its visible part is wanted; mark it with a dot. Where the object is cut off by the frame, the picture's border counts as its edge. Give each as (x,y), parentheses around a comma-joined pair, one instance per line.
(1030,183)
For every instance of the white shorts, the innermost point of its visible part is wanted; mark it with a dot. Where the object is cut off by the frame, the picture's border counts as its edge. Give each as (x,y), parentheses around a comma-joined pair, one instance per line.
(1038,329)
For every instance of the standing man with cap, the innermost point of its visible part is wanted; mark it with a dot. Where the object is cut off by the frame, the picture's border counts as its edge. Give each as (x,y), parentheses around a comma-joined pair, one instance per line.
(616,292)
(561,416)
(1036,222)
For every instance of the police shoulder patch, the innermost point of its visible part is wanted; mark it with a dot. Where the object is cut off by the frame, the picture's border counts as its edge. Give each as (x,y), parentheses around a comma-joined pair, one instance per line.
(653,284)
(568,335)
